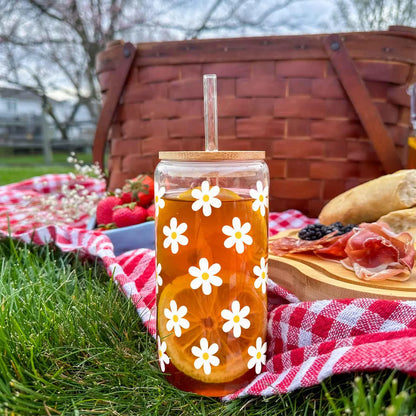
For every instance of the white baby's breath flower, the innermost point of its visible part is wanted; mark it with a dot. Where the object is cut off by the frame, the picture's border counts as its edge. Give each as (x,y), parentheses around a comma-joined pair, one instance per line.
(68,204)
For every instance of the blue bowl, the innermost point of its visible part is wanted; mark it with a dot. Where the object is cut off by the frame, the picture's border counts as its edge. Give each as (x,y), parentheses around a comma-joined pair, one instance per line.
(130,238)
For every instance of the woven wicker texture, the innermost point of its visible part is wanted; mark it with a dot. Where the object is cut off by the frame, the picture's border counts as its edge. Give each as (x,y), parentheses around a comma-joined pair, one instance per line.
(279,94)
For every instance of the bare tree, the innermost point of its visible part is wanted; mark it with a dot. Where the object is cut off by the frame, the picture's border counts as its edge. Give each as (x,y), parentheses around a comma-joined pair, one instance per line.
(359,15)
(189,19)
(48,46)
(51,45)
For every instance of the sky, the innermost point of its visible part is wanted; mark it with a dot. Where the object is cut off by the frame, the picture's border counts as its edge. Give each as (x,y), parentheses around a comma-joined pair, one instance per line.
(300,16)
(164,21)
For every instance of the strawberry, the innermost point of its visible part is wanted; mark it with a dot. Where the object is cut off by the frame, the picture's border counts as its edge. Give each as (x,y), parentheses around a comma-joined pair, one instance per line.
(126,198)
(125,216)
(105,207)
(151,212)
(139,190)
(141,213)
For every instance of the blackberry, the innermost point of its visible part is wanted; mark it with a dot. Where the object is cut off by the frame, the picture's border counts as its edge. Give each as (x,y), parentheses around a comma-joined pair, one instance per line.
(313,232)
(317,231)
(336,226)
(346,229)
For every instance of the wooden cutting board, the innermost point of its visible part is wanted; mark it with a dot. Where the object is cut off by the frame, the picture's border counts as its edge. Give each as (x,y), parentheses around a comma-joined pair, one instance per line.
(311,278)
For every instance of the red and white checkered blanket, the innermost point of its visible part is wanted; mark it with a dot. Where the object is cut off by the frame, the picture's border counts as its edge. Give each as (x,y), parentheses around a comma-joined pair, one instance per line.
(307,341)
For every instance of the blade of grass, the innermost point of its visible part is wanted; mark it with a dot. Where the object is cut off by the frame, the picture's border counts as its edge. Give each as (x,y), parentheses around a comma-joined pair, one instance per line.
(79,346)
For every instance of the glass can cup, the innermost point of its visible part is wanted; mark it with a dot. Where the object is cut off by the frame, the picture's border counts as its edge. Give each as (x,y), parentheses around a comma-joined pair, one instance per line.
(211,267)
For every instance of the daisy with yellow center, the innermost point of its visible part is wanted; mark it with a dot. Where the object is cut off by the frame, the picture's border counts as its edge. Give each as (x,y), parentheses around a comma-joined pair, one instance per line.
(237,235)
(261,272)
(261,198)
(176,320)
(161,352)
(205,276)
(205,198)
(159,279)
(205,355)
(174,235)
(159,201)
(258,354)
(236,318)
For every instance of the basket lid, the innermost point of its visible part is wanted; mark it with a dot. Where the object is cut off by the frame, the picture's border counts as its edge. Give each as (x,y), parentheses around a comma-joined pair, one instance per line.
(204,156)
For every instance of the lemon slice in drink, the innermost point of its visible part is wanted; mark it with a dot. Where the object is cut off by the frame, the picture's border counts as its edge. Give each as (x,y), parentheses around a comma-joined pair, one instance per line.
(224,195)
(205,321)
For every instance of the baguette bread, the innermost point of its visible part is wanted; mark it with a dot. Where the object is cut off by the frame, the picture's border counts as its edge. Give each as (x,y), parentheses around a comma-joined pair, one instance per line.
(412,232)
(402,220)
(373,199)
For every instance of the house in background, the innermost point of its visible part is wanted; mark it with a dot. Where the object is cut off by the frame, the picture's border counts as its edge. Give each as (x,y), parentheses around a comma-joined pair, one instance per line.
(83,127)
(20,117)
(23,124)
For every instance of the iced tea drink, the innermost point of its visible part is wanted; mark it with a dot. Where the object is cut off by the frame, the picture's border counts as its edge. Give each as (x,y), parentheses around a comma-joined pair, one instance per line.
(211,262)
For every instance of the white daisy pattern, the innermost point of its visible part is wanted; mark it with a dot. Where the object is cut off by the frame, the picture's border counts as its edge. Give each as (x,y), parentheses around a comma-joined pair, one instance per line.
(159,201)
(159,279)
(174,235)
(261,272)
(238,235)
(205,276)
(205,355)
(261,198)
(205,198)
(236,318)
(258,354)
(161,352)
(176,320)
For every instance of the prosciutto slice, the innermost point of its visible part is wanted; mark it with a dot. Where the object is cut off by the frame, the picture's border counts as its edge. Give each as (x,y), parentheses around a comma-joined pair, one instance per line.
(372,250)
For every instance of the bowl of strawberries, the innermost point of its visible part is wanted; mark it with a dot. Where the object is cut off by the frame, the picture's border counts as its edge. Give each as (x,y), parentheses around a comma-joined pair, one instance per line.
(127,217)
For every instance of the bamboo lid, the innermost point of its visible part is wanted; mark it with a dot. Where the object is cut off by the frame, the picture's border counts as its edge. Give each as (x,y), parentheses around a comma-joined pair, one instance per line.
(204,156)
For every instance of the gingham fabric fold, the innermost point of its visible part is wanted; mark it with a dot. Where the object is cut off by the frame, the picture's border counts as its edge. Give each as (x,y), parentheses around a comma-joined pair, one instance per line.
(307,341)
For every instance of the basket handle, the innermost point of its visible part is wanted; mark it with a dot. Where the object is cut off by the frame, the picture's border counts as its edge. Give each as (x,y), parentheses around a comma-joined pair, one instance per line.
(111,103)
(361,100)
(403,31)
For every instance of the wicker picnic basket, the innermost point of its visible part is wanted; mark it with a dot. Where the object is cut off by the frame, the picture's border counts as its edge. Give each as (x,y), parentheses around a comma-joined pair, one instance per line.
(330,110)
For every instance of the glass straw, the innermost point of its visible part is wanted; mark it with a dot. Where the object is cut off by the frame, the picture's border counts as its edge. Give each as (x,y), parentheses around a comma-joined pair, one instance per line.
(210,113)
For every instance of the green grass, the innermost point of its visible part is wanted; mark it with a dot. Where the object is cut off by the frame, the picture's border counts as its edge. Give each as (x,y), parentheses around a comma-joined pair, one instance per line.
(71,343)
(15,168)
(8,158)
(17,174)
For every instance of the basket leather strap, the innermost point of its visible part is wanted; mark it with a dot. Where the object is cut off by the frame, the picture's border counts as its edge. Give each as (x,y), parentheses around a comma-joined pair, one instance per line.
(110,104)
(364,106)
